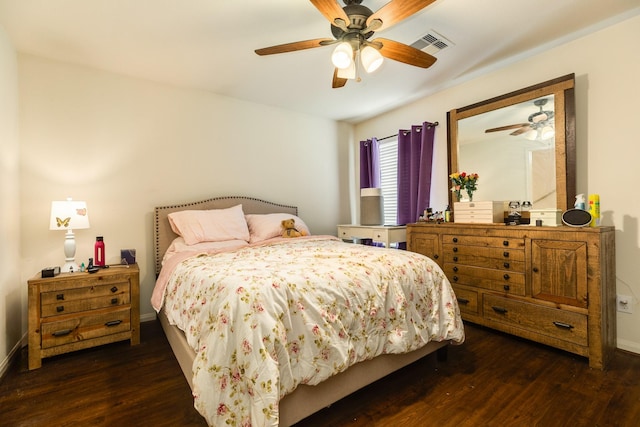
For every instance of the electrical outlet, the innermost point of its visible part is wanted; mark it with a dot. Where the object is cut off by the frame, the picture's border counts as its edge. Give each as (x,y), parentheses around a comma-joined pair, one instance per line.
(624,304)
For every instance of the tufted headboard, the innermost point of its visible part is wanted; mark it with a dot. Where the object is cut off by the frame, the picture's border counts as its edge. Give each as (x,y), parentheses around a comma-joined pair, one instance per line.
(163,235)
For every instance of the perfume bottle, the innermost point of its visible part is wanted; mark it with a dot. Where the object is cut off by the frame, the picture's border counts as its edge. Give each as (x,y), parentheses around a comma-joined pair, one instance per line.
(99,252)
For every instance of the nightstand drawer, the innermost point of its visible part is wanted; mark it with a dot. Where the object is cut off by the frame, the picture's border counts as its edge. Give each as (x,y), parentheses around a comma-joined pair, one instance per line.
(80,328)
(85,298)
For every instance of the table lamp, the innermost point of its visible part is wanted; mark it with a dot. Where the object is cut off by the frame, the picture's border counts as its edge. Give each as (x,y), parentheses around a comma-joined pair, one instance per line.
(69,215)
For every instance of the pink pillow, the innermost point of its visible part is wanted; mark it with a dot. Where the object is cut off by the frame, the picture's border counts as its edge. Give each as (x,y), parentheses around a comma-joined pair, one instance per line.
(214,225)
(268,226)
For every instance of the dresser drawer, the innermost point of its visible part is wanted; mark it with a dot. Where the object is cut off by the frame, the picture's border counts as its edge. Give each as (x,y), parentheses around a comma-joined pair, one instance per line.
(494,242)
(85,298)
(79,328)
(467,300)
(486,278)
(498,258)
(560,324)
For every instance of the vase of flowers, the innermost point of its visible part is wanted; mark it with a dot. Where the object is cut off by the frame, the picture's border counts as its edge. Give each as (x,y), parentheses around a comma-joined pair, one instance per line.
(464,181)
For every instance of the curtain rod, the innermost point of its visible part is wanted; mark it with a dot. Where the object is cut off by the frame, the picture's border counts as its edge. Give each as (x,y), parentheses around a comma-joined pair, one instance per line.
(434,124)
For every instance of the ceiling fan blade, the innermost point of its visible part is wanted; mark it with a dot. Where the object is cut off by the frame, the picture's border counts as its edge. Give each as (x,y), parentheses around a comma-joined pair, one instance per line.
(395,11)
(508,127)
(331,10)
(404,53)
(337,81)
(291,47)
(521,130)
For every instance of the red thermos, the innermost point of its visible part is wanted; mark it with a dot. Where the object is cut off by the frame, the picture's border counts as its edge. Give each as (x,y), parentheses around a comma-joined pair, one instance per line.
(99,252)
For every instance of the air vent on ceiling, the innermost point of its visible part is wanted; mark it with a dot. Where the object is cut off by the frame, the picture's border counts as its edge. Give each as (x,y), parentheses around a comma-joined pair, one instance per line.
(432,43)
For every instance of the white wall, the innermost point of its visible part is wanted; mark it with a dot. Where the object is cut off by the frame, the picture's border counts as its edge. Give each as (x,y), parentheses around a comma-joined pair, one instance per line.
(10,286)
(126,145)
(607,68)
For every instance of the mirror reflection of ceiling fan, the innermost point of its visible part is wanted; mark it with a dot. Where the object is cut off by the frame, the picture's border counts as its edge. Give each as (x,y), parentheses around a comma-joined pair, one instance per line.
(540,124)
(352,27)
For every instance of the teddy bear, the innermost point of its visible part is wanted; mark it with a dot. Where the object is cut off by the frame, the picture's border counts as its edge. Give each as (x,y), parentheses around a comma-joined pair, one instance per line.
(289,228)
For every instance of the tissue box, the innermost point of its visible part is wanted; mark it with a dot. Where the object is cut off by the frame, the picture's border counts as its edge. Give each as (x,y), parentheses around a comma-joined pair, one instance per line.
(549,217)
(478,212)
(127,256)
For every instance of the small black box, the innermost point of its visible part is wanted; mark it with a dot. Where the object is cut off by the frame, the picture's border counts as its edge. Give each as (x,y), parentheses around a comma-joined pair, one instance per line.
(50,271)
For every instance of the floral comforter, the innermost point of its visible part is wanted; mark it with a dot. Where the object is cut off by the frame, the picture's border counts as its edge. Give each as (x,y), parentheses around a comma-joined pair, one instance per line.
(265,319)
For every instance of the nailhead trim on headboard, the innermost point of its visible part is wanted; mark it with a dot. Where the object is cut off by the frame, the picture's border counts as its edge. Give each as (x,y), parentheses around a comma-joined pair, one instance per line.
(163,235)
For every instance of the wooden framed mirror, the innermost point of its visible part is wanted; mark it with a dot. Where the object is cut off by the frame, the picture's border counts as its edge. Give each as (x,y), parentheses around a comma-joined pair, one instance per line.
(522,145)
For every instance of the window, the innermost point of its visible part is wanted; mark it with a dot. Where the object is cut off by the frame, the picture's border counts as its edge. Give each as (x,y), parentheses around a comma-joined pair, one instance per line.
(389,179)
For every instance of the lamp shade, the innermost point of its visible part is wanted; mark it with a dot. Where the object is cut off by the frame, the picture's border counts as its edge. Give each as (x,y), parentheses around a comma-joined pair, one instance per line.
(69,215)
(349,72)
(342,56)
(371,59)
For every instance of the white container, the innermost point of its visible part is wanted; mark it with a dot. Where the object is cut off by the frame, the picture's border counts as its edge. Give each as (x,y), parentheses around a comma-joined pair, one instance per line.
(549,217)
(478,212)
(371,206)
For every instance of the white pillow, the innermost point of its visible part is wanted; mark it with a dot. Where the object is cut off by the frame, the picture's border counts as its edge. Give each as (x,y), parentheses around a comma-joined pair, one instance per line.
(214,225)
(268,226)
(179,245)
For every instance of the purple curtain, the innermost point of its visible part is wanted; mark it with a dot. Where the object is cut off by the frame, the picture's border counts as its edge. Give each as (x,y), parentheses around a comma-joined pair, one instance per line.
(415,161)
(369,164)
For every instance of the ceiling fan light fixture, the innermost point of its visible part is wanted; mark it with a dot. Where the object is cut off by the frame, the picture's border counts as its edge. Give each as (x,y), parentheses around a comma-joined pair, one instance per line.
(342,56)
(371,59)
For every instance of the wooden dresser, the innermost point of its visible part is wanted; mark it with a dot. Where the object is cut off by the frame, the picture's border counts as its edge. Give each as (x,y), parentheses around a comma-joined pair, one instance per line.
(73,311)
(554,285)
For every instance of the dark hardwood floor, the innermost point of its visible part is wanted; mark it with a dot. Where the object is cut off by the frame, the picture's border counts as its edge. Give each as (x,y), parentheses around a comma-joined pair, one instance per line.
(491,380)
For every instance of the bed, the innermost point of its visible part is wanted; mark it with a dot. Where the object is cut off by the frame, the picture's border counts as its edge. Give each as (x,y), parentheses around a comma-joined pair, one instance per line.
(316,389)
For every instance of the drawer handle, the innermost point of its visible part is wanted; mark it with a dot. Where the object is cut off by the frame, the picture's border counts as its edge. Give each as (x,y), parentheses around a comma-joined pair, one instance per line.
(500,310)
(506,265)
(505,254)
(506,276)
(60,308)
(113,323)
(535,269)
(455,249)
(505,243)
(60,297)
(455,259)
(61,333)
(455,278)
(463,301)
(563,325)
(455,240)
(455,269)
(114,289)
(435,256)
(506,287)
(114,300)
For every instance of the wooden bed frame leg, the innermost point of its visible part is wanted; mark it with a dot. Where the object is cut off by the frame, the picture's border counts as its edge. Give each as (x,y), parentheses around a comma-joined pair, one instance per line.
(442,353)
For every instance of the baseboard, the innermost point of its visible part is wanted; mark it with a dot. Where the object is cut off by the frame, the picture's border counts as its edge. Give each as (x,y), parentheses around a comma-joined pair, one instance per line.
(147,317)
(15,351)
(629,346)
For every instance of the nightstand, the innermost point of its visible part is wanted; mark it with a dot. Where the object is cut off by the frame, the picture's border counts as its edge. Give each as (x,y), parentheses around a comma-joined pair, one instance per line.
(386,234)
(73,311)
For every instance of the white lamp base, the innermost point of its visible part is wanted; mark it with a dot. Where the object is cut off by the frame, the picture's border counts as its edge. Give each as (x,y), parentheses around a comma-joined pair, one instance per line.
(70,265)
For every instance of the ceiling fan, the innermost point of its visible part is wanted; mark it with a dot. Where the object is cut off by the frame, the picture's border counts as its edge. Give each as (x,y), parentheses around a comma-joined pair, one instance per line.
(540,123)
(352,27)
